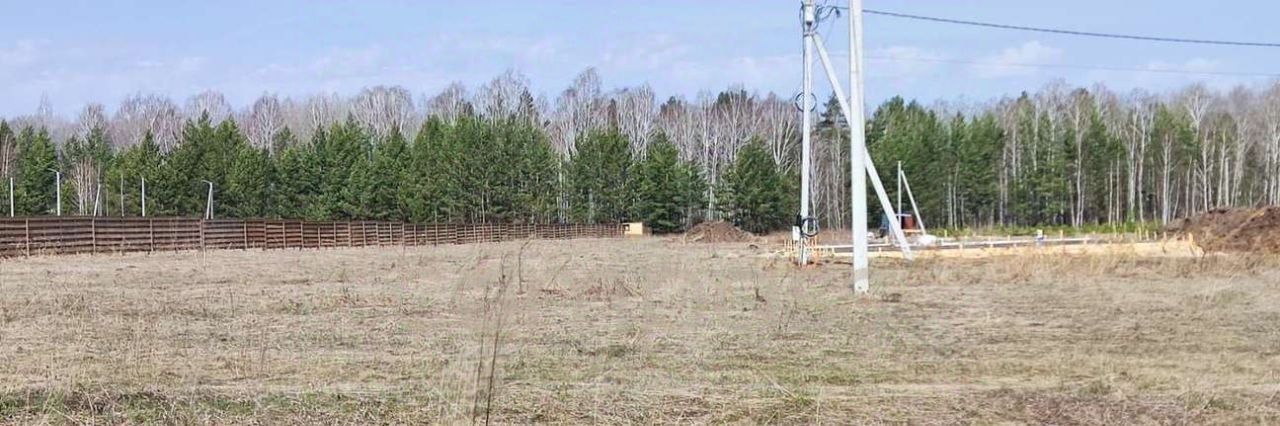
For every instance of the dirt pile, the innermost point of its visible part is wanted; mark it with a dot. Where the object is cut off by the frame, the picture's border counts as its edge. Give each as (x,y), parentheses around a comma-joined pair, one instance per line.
(1234,230)
(717,232)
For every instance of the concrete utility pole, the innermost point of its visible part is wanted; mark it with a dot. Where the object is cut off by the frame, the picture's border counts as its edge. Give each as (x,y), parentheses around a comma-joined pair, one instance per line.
(809,18)
(97,199)
(208,204)
(862,167)
(886,205)
(899,187)
(858,152)
(915,209)
(57,185)
(144,196)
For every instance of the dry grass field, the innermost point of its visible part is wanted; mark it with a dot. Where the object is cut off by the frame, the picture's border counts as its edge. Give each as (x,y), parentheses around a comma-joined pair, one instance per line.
(636,331)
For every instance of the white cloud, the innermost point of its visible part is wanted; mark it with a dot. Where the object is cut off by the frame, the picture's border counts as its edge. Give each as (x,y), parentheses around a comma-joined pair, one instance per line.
(644,53)
(902,62)
(1166,75)
(191,64)
(1192,65)
(345,61)
(762,73)
(22,52)
(524,49)
(1012,61)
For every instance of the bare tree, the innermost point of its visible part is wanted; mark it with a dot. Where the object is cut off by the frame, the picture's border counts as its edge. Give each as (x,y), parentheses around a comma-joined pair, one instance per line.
(8,153)
(139,114)
(678,120)
(209,102)
(1270,121)
(264,120)
(506,96)
(779,128)
(1196,101)
(1141,124)
(634,112)
(1243,133)
(449,104)
(85,168)
(384,110)
(92,117)
(319,111)
(579,110)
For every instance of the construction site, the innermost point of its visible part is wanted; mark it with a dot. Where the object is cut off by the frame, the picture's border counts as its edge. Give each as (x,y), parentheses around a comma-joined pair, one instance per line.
(711,327)
(603,260)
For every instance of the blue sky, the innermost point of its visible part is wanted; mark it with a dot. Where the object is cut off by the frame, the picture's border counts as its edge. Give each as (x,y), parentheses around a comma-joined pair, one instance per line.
(97,51)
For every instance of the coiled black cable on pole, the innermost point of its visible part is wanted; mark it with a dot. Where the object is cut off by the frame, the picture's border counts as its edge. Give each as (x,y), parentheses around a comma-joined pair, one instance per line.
(808,226)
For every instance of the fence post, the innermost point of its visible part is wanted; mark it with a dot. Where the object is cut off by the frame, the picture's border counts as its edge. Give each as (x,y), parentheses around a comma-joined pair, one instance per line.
(201,234)
(245,227)
(26,224)
(93,235)
(151,233)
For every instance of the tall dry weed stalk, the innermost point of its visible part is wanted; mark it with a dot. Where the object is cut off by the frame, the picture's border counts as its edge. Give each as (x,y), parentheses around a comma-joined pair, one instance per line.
(493,313)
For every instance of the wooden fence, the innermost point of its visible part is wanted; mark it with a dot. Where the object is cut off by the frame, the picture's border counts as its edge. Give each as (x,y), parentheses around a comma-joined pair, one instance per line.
(26,236)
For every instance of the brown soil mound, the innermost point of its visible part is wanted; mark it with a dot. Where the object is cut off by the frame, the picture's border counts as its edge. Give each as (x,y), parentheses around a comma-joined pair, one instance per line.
(717,232)
(1234,230)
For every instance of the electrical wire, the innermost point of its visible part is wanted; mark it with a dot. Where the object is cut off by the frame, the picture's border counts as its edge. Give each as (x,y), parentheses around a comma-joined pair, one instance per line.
(1079,67)
(1070,32)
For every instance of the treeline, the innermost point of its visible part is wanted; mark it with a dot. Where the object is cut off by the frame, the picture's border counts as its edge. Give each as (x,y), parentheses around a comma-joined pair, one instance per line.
(1077,156)
(467,170)
(1057,156)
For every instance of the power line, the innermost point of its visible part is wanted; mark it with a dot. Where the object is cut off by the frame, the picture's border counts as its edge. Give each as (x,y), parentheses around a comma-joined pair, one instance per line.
(1078,67)
(1070,32)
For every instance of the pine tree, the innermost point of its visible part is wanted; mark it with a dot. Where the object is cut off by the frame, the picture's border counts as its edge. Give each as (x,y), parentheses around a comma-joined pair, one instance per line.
(34,192)
(247,192)
(667,189)
(8,160)
(535,178)
(340,151)
(755,195)
(910,134)
(361,187)
(433,185)
(296,193)
(600,178)
(375,182)
(976,159)
(132,166)
(471,167)
(282,140)
(180,189)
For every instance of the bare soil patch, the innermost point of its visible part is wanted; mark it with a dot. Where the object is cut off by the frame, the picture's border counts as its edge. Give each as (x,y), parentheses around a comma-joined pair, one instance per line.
(1234,230)
(717,232)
